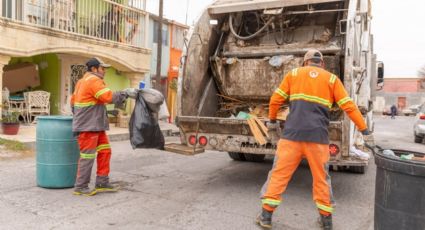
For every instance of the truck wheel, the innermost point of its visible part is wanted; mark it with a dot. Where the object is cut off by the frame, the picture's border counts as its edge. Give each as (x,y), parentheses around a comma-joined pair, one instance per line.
(237,156)
(358,169)
(418,139)
(254,157)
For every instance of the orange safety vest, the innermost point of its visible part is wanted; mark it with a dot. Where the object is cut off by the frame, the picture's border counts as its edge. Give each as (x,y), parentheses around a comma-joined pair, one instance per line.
(311,92)
(88,102)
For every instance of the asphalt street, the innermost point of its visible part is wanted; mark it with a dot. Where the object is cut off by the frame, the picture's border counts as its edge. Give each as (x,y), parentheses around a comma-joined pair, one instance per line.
(162,190)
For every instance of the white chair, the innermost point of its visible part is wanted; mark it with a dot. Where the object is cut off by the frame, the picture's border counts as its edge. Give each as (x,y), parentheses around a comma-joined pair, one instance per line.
(36,103)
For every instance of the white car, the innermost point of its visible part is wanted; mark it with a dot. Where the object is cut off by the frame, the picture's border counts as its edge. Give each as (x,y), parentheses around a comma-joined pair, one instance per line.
(419,126)
(412,110)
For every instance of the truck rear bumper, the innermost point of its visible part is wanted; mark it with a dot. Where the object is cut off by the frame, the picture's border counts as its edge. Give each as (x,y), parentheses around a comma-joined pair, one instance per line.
(233,135)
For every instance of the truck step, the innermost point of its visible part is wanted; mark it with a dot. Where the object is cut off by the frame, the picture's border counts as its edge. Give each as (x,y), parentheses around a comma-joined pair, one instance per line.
(183,149)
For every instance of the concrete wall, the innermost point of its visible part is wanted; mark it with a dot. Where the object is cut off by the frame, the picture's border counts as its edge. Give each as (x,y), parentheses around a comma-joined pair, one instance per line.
(384,100)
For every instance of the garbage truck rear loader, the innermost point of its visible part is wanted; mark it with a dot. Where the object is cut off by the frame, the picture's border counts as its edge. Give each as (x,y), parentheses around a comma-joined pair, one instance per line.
(240,50)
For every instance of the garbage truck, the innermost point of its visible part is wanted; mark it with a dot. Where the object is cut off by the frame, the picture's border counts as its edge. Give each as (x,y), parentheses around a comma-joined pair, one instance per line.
(237,55)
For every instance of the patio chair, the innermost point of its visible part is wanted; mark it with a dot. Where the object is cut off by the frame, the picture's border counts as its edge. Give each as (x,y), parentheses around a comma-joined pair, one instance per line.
(36,103)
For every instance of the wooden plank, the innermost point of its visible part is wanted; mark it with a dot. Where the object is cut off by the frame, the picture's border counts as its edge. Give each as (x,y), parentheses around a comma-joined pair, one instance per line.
(183,149)
(262,127)
(256,132)
(222,7)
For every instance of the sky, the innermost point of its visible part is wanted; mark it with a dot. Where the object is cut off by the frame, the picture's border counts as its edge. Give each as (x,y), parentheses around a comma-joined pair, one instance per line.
(397,27)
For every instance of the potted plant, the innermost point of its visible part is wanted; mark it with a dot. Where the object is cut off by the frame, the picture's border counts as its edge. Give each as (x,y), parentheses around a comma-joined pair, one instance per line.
(10,123)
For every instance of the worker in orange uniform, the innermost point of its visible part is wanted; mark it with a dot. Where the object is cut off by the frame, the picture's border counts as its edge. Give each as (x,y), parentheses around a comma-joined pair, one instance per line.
(91,121)
(311,92)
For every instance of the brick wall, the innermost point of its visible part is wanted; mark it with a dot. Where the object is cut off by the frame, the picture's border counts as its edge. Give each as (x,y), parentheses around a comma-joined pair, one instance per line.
(402,85)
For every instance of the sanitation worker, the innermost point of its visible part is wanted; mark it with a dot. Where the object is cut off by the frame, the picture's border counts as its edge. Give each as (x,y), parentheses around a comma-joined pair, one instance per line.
(90,122)
(311,92)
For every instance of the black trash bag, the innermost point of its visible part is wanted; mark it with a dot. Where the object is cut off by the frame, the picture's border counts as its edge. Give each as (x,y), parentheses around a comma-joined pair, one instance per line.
(144,128)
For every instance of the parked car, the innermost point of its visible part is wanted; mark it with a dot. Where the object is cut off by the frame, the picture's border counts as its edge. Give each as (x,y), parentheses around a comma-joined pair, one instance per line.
(412,110)
(419,126)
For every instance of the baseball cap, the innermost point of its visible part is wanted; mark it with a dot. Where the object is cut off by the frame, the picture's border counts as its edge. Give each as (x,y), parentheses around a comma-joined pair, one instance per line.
(96,62)
(313,54)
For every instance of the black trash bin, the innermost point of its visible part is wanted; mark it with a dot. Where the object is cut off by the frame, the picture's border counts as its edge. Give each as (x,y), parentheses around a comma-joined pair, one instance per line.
(399,192)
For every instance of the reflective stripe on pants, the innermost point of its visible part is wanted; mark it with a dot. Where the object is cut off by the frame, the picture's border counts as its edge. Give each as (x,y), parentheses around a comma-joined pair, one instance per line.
(91,143)
(288,156)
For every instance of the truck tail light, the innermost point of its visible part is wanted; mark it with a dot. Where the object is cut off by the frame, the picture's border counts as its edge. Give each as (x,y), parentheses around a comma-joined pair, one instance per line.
(203,141)
(192,140)
(422,117)
(333,149)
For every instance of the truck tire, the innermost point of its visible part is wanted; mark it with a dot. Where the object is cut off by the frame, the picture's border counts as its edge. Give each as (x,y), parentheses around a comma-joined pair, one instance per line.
(358,169)
(237,156)
(254,157)
(418,139)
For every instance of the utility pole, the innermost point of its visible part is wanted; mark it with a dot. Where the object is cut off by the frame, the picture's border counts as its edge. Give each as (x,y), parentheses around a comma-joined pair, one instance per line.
(187,10)
(159,50)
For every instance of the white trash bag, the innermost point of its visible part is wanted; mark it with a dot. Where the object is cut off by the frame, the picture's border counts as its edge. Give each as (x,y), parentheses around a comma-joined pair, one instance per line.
(153,98)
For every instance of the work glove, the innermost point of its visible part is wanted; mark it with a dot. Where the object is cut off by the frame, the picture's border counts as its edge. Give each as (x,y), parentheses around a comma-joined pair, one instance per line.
(368,138)
(273,125)
(131,92)
(273,130)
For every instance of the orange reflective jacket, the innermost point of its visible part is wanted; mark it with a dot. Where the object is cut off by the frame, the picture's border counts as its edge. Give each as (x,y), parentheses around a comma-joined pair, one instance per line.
(311,92)
(88,102)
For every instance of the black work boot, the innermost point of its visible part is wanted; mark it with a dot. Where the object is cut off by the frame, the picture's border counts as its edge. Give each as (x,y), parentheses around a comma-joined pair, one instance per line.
(107,187)
(264,219)
(325,222)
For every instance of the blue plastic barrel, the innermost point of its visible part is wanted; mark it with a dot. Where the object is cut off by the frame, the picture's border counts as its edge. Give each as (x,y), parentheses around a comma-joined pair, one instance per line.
(57,152)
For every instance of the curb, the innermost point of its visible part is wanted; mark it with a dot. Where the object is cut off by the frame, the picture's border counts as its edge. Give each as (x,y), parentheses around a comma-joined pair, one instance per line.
(113,137)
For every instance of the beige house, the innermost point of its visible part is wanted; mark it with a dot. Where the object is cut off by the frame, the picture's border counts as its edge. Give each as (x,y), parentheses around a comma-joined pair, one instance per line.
(58,36)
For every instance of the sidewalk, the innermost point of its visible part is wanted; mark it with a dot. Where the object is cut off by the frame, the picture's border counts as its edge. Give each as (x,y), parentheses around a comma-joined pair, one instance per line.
(27,133)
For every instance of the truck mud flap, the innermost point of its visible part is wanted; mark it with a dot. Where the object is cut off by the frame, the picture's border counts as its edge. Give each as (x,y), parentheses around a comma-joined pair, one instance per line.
(183,149)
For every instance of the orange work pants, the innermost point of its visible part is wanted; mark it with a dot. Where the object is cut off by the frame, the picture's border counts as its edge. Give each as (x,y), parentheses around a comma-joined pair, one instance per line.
(90,144)
(288,156)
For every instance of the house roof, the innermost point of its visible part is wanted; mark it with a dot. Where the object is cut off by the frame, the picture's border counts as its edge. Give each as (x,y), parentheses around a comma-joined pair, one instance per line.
(168,21)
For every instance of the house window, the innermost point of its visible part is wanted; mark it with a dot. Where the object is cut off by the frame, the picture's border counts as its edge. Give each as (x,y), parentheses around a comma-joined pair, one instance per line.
(12,9)
(178,38)
(165,36)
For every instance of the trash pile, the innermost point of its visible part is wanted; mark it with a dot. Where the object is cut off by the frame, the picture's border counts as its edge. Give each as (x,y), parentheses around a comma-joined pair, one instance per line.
(390,153)
(357,153)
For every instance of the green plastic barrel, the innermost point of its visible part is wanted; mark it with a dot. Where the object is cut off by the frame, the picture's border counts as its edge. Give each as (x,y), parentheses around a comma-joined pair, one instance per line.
(57,152)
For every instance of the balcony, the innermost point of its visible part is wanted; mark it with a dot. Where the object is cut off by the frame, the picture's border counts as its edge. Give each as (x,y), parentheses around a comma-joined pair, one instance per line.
(115,30)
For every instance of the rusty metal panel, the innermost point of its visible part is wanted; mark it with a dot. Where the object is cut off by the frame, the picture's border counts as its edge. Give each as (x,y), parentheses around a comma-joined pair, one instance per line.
(254,78)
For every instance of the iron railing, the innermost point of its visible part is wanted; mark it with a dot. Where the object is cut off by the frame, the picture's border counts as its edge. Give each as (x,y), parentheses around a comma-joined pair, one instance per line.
(120,21)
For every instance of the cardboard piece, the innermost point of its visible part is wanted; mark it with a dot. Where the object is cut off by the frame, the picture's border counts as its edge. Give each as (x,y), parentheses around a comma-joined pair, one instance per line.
(20,77)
